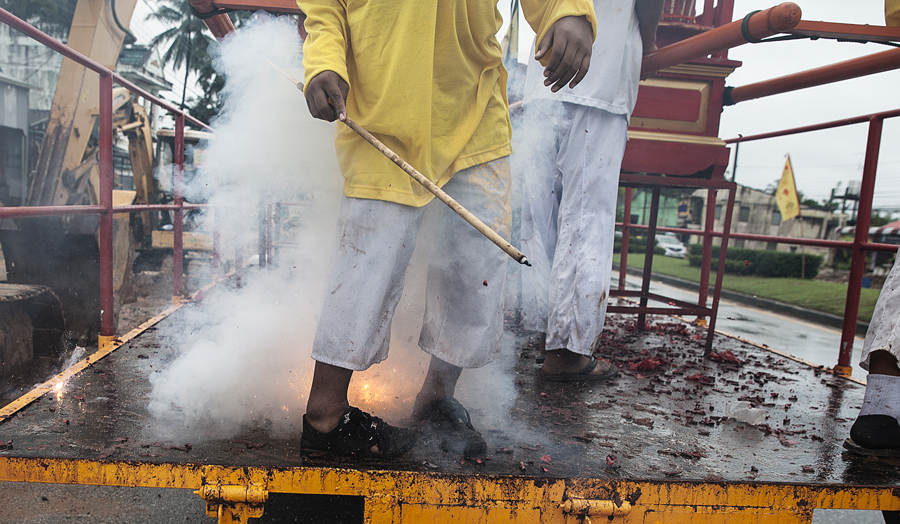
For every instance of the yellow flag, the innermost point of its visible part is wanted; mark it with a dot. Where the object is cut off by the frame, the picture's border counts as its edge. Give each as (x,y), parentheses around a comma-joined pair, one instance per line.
(786,195)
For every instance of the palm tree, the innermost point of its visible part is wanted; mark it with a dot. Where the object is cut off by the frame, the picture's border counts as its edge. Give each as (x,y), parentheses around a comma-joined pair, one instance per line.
(187,36)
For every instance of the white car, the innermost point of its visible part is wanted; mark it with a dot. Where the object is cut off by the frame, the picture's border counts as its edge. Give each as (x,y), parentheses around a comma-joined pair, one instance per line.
(672,246)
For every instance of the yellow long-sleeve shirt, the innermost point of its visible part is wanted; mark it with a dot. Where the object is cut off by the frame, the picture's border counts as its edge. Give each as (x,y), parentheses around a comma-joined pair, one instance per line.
(426,78)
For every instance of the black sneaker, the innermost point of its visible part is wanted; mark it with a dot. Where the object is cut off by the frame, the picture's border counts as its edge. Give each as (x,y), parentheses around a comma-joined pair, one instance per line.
(447,424)
(356,434)
(875,435)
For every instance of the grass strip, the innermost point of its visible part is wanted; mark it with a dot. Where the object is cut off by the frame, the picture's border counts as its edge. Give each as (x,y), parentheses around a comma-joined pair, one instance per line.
(827,297)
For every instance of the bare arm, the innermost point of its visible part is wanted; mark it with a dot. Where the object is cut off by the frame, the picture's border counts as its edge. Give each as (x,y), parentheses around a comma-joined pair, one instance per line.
(325,58)
(648,13)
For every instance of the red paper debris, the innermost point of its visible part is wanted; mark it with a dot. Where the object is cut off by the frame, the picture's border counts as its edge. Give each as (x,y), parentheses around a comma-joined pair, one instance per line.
(725,356)
(546,458)
(648,364)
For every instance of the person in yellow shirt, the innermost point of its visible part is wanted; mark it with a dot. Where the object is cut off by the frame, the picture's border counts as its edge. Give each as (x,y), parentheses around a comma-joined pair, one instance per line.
(426,78)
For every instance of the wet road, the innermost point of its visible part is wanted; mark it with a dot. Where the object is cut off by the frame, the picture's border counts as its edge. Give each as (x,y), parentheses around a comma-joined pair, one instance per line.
(811,342)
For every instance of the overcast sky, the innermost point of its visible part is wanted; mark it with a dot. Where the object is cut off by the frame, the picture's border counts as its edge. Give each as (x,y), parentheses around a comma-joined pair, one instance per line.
(823,159)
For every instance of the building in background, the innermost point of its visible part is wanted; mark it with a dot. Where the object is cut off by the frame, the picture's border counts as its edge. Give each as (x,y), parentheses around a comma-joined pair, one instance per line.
(14,97)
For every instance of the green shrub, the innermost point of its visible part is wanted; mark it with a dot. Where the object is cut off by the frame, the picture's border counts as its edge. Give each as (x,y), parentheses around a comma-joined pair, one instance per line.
(636,245)
(763,263)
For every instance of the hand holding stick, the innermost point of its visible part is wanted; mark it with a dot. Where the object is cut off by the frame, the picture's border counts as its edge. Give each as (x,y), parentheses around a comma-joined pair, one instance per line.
(492,235)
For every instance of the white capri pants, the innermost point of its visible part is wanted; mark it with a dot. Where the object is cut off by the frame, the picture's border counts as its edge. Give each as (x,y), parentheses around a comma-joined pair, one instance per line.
(569,160)
(463,322)
(884,329)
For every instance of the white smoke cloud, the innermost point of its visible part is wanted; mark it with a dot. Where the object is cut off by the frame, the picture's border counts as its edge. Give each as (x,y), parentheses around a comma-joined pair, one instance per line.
(243,356)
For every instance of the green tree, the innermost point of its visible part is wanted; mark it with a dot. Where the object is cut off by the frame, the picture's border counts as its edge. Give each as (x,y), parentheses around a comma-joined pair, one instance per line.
(879,220)
(211,83)
(50,16)
(187,38)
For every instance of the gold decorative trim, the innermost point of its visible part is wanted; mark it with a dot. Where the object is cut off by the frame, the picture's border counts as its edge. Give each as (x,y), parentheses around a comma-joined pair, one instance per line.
(634,134)
(700,70)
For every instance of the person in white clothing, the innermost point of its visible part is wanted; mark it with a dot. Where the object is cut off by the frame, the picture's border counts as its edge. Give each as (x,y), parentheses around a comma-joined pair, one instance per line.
(876,430)
(568,160)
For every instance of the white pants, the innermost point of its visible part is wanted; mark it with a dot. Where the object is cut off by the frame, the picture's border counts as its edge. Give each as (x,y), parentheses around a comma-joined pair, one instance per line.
(463,321)
(884,329)
(569,159)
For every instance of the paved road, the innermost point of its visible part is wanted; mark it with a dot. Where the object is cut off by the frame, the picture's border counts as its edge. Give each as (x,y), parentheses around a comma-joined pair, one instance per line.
(811,342)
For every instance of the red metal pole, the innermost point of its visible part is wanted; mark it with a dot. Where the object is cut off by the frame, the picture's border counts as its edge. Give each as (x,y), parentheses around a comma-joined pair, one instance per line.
(262,233)
(774,20)
(648,257)
(219,25)
(272,6)
(706,261)
(46,211)
(706,18)
(626,231)
(217,253)
(858,261)
(867,65)
(238,263)
(105,235)
(720,273)
(178,226)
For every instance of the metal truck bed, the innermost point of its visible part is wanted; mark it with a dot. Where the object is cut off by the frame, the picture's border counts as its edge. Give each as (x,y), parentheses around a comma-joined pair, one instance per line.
(658,443)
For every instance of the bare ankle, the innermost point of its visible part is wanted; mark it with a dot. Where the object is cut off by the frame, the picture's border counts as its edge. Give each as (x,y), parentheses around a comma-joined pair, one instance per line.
(324,418)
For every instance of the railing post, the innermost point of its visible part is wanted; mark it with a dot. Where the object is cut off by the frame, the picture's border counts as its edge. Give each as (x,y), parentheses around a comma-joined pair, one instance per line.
(706,261)
(105,234)
(626,231)
(262,227)
(178,226)
(858,261)
(217,243)
(275,232)
(648,256)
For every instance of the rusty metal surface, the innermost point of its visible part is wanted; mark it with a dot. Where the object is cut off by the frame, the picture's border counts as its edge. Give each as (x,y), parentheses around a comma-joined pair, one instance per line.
(664,419)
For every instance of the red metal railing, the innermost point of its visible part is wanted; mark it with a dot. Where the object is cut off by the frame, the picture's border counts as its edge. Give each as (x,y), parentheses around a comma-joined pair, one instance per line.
(859,246)
(105,209)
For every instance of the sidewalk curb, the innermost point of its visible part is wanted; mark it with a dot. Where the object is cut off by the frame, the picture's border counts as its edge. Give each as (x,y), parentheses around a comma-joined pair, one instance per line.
(825,319)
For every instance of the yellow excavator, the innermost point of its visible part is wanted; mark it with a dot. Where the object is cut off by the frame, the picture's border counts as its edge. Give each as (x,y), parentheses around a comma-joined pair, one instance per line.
(42,254)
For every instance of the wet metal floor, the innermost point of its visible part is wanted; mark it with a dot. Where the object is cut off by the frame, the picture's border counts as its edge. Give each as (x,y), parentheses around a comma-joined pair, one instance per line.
(666,417)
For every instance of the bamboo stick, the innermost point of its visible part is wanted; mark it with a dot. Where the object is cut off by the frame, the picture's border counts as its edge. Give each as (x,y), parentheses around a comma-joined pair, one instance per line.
(439,193)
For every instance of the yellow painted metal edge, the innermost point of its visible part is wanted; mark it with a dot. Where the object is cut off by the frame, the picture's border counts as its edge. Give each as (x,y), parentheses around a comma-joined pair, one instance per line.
(443,489)
(106,345)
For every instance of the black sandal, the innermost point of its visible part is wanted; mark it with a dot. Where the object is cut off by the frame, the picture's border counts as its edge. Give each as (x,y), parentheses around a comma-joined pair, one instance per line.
(447,424)
(585,374)
(356,434)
